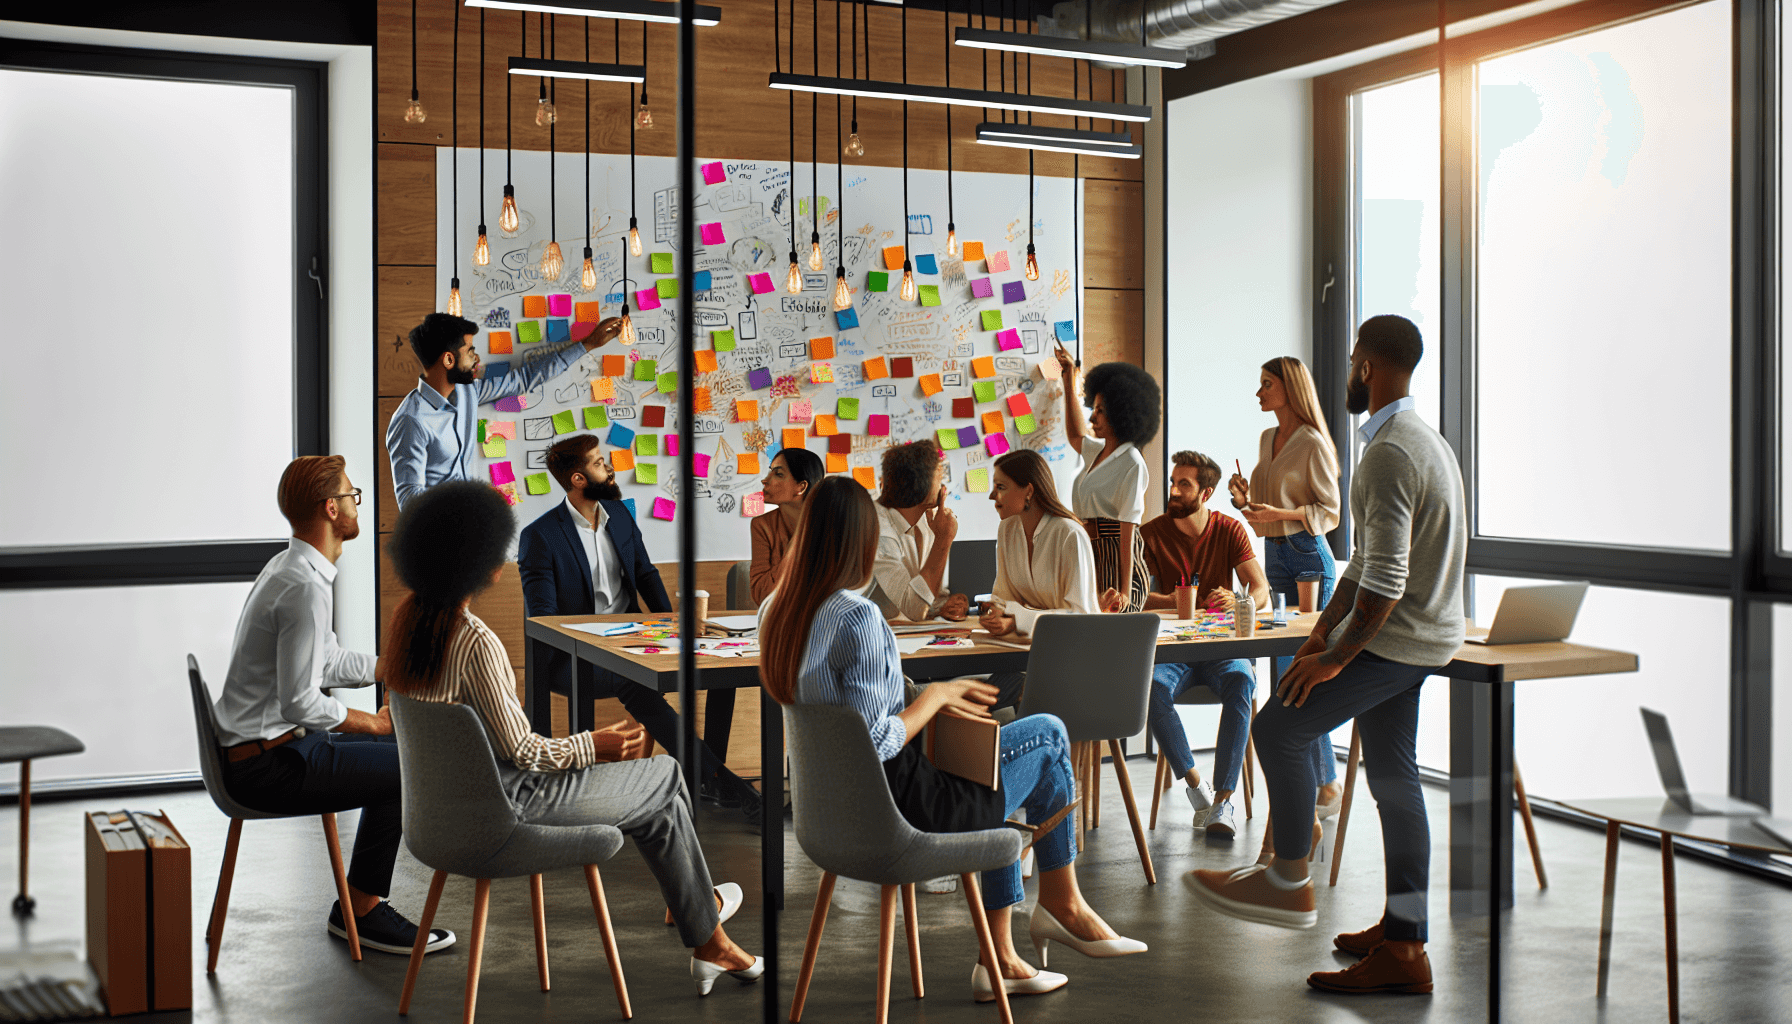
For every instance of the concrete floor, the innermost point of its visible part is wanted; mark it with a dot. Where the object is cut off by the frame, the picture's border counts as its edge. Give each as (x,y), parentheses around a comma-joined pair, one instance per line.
(279,964)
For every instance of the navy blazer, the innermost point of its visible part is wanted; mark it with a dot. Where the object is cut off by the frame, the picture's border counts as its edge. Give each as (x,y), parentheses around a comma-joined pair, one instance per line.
(557,576)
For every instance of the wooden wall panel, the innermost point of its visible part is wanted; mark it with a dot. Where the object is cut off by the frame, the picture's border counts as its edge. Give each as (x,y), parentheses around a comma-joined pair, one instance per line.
(1115,329)
(407,205)
(1114,247)
(406,295)
(386,501)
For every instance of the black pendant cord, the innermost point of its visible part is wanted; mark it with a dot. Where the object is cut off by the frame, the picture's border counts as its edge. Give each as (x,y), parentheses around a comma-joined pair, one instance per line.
(482,122)
(951,221)
(587,143)
(454,150)
(633,213)
(839,161)
(643,65)
(509,186)
(553,187)
(983,9)
(855,61)
(1076,249)
(814,123)
(413,51)
(541,50)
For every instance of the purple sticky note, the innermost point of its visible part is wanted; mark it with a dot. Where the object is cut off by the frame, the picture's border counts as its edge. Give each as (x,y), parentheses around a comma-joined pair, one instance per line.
(663,508)
(879,426)
(983,288)
(514,403)
(759,379)
(713,173)
(502,473)
(995,444)
(711,233)
(700,465)
(669,445)
(647,298)
(761,283)
(1013,291)
(967,437)
(1008,339)
(559,305)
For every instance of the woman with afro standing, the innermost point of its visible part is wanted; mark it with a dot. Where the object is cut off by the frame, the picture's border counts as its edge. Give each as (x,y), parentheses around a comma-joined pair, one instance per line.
(1108,494)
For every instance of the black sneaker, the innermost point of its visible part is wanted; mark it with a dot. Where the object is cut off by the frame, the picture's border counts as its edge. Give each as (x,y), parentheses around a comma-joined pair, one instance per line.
(716,792)
(386,930)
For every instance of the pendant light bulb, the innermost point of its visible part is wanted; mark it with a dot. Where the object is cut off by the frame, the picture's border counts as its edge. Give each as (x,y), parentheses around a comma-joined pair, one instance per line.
(793,280)
(414,113)
(855,147)
(952,240)
(908,291)
(643,116)
(545,114)
(842,294)
(588,274)
(1032,264)
(628,329)
(634,238)
(482,250)
(552,263)
(508,221)
(453,297)
(815,262)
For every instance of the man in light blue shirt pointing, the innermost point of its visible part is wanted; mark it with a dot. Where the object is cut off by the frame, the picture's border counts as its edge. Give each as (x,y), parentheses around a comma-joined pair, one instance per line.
(433,434)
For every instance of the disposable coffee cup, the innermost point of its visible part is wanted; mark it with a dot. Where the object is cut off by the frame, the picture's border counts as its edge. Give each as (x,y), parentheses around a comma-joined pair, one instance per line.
(1185,602)
(700,598)
(1308,585)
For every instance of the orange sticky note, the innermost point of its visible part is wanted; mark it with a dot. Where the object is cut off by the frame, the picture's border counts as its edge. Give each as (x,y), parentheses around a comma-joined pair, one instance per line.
(876,369)
(893,256)
(825,425)
(746,463)
(500,341)
(992,422)
(706,361)
(587,312)
(821,348)
(973,251)
(836,463)
(535,306)
(602,389)
(930,384)
(983,366)
(794,437)
(700,400)
(615,365)
(866,478)
(622,460)
(746,410)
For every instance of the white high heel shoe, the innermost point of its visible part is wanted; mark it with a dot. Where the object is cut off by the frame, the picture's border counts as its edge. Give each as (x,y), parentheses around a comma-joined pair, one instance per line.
(1043,981)
(1045,928)
(706,973)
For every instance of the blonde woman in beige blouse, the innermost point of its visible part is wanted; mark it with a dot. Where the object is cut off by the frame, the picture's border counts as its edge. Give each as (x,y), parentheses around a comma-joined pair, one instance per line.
(451,542)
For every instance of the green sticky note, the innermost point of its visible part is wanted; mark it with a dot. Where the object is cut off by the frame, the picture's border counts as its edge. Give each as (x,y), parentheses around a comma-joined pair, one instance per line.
(948,438)
(722,341)
(984,390)
(847,409)
(647,473)
(482,430)
(976,481)
(668,383)
(596,418)
(538,483)
(1026,424)
(496,448)
(930,295)
(528,331)
(564,423)
(668,287)
(992,319)
(646,369)
(647,444)
(877,281)
(662,263)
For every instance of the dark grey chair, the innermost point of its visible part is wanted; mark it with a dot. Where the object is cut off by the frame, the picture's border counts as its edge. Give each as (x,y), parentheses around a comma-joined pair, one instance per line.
(458,820)
(24,744)
(740,586)
(847,823)
(211,766)
(1203,694)
(1094,673)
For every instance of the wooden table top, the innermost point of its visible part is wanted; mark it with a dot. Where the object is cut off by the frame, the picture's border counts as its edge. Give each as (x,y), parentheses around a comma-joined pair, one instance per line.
(1658,814)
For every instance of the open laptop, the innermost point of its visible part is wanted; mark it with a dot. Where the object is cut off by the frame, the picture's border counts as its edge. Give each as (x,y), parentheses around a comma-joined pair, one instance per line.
(1667,762)
(1533,615)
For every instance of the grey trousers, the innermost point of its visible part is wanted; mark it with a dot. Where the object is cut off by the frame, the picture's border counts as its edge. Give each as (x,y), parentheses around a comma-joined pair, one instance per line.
(645,798)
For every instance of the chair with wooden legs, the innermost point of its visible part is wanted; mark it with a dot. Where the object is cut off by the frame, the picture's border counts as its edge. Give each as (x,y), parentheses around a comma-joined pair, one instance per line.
(1094,673)
(1203,694)
(848,824)
(211,767)
(1356,757)
(23,744)
(458,820)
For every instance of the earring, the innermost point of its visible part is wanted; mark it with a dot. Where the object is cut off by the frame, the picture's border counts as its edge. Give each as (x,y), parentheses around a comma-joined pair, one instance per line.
(1028,507)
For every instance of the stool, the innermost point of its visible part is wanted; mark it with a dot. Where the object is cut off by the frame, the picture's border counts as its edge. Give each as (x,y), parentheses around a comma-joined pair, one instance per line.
(25,743)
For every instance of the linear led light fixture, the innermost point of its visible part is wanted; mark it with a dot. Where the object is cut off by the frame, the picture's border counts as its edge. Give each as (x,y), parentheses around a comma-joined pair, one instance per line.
(1133,152)
(1017,131)
(657,11)
(578,69)
(960,97)
(1075,49)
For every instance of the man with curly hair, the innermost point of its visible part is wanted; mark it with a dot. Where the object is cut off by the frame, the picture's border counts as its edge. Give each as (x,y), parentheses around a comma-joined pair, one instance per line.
(908,581)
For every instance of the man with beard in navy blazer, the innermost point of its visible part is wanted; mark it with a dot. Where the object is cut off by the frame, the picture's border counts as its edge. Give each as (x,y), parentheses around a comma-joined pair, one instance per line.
(585,556)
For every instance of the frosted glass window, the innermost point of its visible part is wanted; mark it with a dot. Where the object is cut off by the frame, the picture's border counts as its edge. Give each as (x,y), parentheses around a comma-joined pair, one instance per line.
(148,286)
(109,664)
(1604,286)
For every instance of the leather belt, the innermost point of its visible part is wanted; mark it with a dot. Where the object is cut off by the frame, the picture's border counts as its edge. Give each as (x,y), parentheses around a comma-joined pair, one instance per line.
(1277,540)
(256,748)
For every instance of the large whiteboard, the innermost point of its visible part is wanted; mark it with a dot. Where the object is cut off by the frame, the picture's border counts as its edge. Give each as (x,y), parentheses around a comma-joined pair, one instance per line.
(773,330)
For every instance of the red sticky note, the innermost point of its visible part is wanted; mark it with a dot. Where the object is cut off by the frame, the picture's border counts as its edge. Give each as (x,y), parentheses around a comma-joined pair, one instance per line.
(878,426)
(1018,404)
(964,407)
(902,366)
(653,416)
(840,444)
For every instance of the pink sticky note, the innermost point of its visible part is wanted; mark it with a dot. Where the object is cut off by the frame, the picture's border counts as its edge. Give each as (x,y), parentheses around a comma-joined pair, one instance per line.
(502,473)
(663,508)
(711,233)
(1018,404)
(669,445)
(753,505)
(995,444)
(501,428)
(1008,339)
(713,173)
(559,305)
(982,288)
(998,261)
(801,411)
(761,283)
(700,465)
(514,403)
(647,298)
(879,426)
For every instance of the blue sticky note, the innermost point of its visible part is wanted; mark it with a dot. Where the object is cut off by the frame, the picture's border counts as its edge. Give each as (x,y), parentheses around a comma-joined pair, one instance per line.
(621,436)
(845,319)
(629,503)
(614,299)
(926,264)
(559,330)
(759,379)
(495,370)
(700,281)
(1065,329)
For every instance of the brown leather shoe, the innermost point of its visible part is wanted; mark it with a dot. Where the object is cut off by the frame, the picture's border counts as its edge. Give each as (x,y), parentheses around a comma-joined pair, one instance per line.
(1359,943)
(1380,971)
(1248,894)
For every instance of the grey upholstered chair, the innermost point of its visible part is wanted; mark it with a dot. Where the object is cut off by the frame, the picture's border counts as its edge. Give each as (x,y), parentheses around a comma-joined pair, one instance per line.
(458,820)
(211,766)
(847,823)
(1201,693)
(740,586)
(1094,672)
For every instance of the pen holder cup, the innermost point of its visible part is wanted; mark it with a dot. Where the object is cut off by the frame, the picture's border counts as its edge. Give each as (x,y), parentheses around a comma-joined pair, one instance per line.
(1185,602)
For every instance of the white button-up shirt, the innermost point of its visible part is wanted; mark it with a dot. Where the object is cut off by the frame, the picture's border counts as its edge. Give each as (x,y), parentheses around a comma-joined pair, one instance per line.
(285,653)
(896,584)
(600,553)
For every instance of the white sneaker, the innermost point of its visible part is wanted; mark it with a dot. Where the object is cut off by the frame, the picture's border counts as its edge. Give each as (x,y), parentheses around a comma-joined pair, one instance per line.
(1222,821)
(1200,798)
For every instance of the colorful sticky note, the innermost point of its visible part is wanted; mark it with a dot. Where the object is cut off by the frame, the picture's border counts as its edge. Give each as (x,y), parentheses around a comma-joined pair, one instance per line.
(973,251)
(496,369)
(746,410)
(501,428)
(495,448)
(879,425)
(660,262)
(1065,330)
(846,319)
(528,332)
(622,460)
(667,287)
(558,331)
(587,312)
(711,234)
(967,437)
(902,366)
(963,407)
(499,342)
(865,476)
(1049,369)
(1018,404)
(992,319)
(893,257)
(668,383)
(502,473)
(702,281)
(752,505)
(647,444)
(537,482)
(699,464)
(840,444)
(535,306)
(513,403)
(647,298)
(947,438)
(992,422)
(615,365)
(760,283)
(646,369)
(976,481)
(876,369)
(821,373)
(564,422)
(847,409)
(877,281)
(983,288)
(825,425)
(930,384)
(701,401)
(759,378)
(746,463)
(794,438)
(926,264)
(800,410)
(995,444)
(669,445)
(706,360)
(1014,291)
(997,261)
(722,341)
(713,174)
(837,462)
(821,348)
(647,473)
(1026,424)
(1008,339)
(653,416)
(983,366)
(560,305)
(620,436)
(930,295)
(984,391)
(596,418)
(629,503)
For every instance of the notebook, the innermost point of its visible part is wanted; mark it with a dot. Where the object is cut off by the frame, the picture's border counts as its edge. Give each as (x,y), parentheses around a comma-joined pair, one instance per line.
(970,748)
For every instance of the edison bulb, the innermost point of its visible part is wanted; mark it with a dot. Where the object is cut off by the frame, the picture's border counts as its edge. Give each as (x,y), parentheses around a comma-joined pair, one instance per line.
(552,263)
(414,113)
(634,238)
(454,298)
(588,274)
(908,291)
(793,280)
(628,329)
(482,250)
(815,262)
(643,116)
(545,114)
(1032,264)
(507,216)
(855,147)
(842,294)
(952,240)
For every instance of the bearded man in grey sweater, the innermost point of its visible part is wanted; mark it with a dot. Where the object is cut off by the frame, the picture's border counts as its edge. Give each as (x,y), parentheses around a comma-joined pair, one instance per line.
(1395,618)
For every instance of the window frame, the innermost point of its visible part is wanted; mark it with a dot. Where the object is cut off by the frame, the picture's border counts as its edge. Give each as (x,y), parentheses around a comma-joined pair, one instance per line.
(223,560)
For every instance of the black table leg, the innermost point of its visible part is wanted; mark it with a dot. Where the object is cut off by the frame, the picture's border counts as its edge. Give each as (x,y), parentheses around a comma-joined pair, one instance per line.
(771,845)
(537,705)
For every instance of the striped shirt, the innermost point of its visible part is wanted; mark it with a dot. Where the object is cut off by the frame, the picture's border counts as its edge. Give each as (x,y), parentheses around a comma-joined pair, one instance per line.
(851,659)
(479,674)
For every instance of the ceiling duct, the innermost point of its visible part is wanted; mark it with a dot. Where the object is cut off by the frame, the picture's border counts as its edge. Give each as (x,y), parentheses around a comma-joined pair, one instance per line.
(1188,25)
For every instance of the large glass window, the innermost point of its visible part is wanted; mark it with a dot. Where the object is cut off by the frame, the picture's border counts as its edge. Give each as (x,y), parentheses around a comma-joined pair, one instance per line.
(1603,287)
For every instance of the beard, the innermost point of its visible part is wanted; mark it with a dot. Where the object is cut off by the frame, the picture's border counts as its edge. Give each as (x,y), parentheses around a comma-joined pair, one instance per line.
(348,529)
(460,376)
(1176,508)
(1356,397)
(608,490)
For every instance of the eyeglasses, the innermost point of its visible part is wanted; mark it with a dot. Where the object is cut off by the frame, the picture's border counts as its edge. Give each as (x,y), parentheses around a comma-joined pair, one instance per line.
(354,494)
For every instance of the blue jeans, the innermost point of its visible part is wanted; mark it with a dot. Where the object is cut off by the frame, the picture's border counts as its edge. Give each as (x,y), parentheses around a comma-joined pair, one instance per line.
(1036,775)
(1302,552)
(1235,684)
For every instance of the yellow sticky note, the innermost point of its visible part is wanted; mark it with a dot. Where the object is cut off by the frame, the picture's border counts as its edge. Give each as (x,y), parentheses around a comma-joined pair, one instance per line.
(825,425)
(876,369)
(893,256)
(622,460)
(973,251)
(794,437)
(494,448)
(977,480)
(746,463)
(819,348)
(706,360)
(603,388)
(983,366)
(746,410)
(866,477)
(836,463)
(930,384)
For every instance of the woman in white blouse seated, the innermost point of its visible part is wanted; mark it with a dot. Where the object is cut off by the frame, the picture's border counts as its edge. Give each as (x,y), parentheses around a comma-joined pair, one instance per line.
(1043,559)
(824,643)
(450,543)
